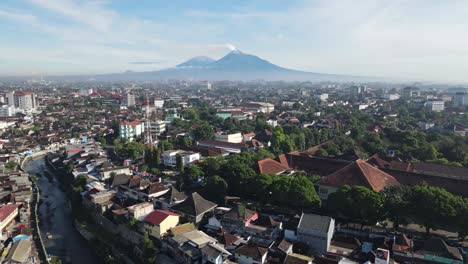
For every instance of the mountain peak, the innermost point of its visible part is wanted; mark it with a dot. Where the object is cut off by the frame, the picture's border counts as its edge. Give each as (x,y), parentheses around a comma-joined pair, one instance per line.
(196,62)
(236,51)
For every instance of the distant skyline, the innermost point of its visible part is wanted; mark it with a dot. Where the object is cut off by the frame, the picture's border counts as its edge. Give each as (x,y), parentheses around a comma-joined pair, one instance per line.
(413,40)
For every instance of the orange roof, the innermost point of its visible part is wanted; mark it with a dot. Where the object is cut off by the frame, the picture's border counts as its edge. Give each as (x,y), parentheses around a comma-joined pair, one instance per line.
(270,166)
(158,216)
(360,173)
(128,123)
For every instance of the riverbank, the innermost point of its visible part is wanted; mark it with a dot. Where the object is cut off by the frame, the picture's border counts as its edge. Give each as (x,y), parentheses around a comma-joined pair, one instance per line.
(55,220)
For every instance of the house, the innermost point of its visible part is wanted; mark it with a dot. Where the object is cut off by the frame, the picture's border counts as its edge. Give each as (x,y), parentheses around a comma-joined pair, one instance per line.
(248,137)
(251,254)
(264,230)
(131,130)
(158,222)
(357,173)
(20,252)
(194,208)
(316,231)
(270,166)
(107,173)
(226,137)
(237,219)
(188,157)
(434,250)
(8,213)
(214,254)
(140,211)
(295,258)
(186,247)
(170,198)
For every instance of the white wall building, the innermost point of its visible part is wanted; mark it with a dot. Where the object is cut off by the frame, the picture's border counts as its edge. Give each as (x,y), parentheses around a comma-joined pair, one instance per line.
(158,103)
(321,97)
(231,138)
(131,130)
(23,100)
(170,157)
(435,105)
(316,231)
(130,100)
(7,111)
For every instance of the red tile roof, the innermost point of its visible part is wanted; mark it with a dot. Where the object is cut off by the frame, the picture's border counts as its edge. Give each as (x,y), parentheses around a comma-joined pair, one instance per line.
(128,123)
(158,216)
(270,166)
(6,211)
(360,173)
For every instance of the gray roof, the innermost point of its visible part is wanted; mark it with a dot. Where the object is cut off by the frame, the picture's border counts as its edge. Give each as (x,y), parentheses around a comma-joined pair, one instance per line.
(19,252)
(315,222)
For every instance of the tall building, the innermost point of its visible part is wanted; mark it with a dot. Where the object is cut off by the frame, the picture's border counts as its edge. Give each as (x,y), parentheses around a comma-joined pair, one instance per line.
(130,100)
(435,105)
(131,130)
(409,92)
(460,99)
(7,111)
(22,100)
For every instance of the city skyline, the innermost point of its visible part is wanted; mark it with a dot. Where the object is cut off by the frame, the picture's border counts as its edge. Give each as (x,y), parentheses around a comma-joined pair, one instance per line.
(418,40)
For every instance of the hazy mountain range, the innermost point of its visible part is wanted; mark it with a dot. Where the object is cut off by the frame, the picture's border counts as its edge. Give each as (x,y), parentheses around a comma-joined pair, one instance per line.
(235,66)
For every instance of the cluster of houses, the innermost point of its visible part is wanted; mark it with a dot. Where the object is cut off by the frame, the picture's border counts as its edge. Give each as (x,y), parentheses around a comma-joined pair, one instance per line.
(17,218)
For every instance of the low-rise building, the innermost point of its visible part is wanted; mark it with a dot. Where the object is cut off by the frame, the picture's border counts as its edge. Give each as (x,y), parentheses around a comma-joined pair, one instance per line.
(141,210)
(158,222)
(316,231)
(435,105)
(188,157)
(226,137)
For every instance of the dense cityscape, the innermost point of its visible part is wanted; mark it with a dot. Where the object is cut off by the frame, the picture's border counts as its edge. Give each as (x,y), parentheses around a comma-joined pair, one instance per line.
(233,172)
(233,132)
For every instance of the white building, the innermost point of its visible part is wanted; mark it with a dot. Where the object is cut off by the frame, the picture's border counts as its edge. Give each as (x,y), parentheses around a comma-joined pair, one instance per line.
(321,97)
(86,91)
(130,100)
(7,111)
(170,157)
(22,100)
(390,97)
(231,138)
(158,103)
(435,105)
(131,130)
(158,127)
(259,107)
(316,231)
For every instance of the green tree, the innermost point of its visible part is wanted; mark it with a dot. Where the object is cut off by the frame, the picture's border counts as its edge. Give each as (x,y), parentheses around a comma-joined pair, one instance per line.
(302,193)
(277,140)
(203,131)
(180,164)
(216,187)
(433,206)
(358,204)
(149,254)
(397,203)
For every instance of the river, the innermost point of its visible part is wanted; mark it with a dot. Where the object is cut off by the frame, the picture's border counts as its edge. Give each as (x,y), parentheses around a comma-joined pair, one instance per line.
(60,238)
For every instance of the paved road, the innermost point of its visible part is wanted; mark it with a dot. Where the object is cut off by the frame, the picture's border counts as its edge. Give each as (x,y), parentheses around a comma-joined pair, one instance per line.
(55,219)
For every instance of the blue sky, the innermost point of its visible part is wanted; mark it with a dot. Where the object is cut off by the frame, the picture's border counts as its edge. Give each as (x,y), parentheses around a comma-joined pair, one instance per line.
(417,39)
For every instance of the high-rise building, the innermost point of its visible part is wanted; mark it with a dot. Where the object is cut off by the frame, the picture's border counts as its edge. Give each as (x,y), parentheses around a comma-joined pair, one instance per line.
(7,111)
(22,100)
(130,100)
(131,130)
(460,99)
